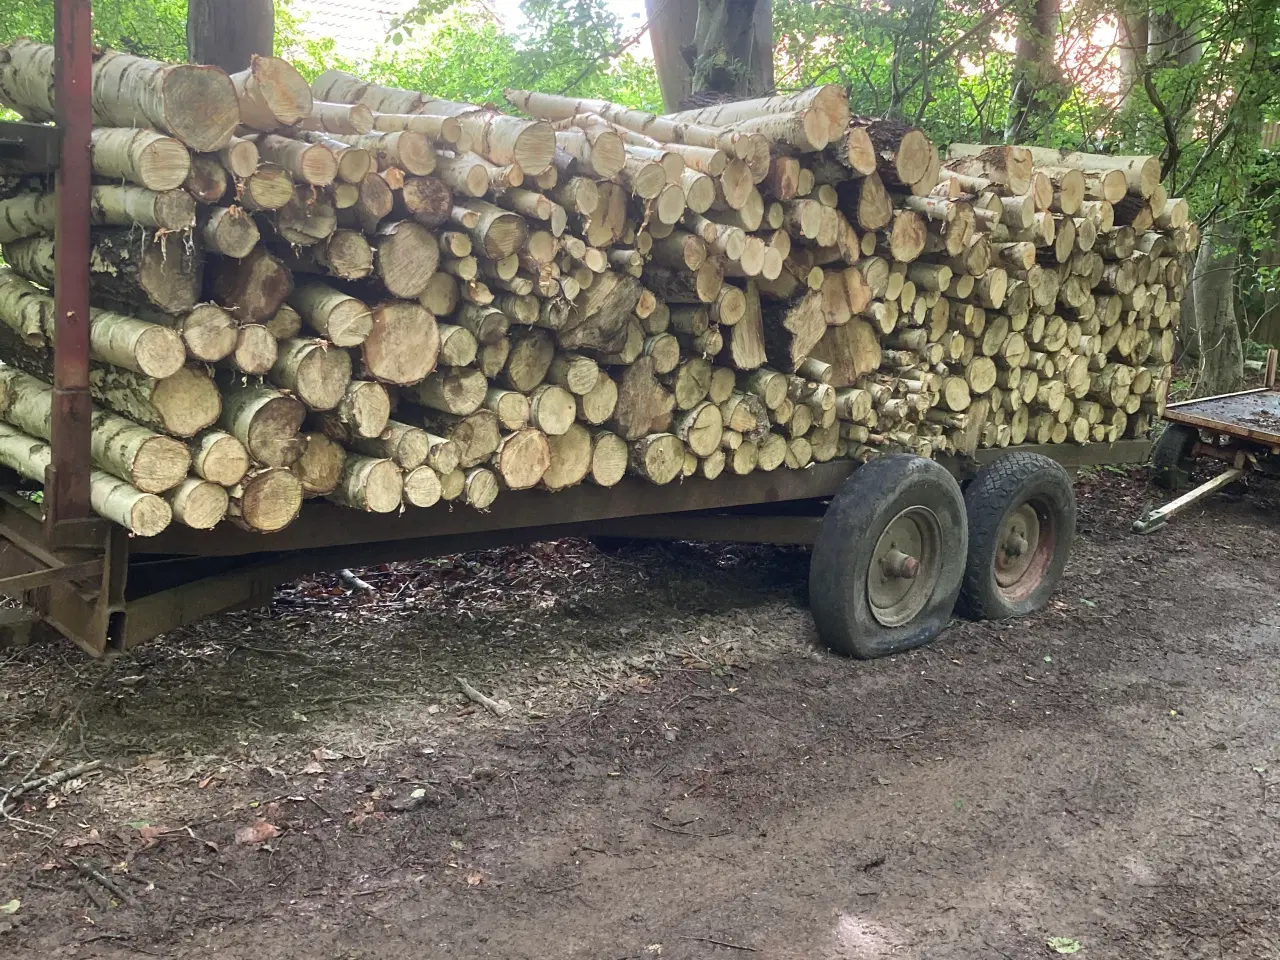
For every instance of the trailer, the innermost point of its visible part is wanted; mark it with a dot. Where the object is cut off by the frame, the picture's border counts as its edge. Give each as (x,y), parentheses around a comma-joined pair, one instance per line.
(897,542)
(1240,430)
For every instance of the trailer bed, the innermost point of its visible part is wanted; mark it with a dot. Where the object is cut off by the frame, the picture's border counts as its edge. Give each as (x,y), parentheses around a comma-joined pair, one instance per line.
(108,592)
(1250,415)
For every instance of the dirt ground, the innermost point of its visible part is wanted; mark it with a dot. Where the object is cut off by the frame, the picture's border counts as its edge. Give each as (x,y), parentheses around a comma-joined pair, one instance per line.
(678,770)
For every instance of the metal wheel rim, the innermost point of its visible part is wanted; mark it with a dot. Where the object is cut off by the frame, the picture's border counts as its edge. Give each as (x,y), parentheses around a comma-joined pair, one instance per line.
(1017,544)
(895,599)
(1019,580)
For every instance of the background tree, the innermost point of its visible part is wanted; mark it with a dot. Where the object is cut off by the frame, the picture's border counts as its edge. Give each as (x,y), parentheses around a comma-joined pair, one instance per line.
(228,33)
(711,46)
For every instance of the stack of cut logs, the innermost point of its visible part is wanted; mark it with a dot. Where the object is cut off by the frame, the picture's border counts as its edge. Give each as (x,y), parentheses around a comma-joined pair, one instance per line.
(370,295)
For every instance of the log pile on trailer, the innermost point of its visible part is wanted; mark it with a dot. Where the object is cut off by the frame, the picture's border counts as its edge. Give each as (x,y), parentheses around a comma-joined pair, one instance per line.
(388,300)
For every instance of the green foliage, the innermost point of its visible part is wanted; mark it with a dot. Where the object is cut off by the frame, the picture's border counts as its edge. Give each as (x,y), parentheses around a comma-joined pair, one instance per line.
(149,28)
(457,50)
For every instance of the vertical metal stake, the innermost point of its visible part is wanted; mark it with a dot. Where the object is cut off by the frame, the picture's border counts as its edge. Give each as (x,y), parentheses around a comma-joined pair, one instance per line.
(67,480)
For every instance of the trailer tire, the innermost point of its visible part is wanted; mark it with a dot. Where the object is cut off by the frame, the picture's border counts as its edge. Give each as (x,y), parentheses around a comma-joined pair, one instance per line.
(1171,459)
(870,599)
(1022,520)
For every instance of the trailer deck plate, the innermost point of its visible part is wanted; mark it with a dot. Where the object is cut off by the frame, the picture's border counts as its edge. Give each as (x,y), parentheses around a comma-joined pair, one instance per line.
(1251,415)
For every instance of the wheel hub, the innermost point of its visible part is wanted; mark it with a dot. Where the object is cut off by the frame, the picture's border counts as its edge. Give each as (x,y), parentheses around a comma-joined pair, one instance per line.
(1017,544)
(905,566)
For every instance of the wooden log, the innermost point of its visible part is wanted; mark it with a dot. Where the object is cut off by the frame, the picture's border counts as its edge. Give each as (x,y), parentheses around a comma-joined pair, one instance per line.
(268,188)
(265,421)
(272,94)
(473,438)
(196,104)
(422,487)
(155,270)
(313,371)
(229,231)
(207,180)
(255,352)
(408,151)
(1011,166)
(134,344)
(30,214)
(150,462)
(266,500)
(455,390)
(346,118)
(285,324)
(402,443)
(198,504)
(369,484)
(254,288)
(218,457)
(144,157)
(142,514)
(341,319)
(307,218)
(320,467)
(522,458)
(902,152)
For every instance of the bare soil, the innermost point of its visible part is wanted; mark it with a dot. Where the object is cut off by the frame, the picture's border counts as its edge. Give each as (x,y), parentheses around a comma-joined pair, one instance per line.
(679,771)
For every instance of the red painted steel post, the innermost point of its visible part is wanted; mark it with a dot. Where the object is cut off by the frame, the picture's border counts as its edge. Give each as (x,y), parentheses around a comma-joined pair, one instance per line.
(67,482)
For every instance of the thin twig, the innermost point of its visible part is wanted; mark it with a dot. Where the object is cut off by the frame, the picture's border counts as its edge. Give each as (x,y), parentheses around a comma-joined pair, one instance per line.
(690,833)
(354,582)
(99,901)
(475,696)
(52,780)
(95,874)
(722,943)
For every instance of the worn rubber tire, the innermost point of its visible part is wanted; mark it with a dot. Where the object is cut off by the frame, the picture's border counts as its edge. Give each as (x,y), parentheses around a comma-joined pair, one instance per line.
(1000,488)
(859,512)
(1171,459)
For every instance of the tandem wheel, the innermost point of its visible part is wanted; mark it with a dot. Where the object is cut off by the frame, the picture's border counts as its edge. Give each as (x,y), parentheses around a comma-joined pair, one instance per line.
(888,561)
(1171,457)
(1022,521)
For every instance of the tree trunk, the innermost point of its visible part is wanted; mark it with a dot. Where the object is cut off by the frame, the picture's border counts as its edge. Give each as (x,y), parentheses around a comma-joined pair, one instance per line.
(228,33)
(1035,73)
(1217,333)
(721,46)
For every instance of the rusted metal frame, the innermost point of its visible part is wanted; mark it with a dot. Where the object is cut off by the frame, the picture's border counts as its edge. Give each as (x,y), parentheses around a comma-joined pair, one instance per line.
(718,528)
(29,147)
(18,584)
(325,525)
(79,590)
(252,581)
(66,495)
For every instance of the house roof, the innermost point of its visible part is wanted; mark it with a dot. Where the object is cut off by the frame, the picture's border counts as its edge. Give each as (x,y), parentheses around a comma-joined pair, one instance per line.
(357,26)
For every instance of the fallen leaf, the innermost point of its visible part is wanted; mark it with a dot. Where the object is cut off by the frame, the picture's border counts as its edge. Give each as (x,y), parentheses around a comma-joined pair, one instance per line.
(259,832)
(92,839)
(1063,945)
(11,907)
(151,834)
(475,878)
(314,767)
(323,753)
